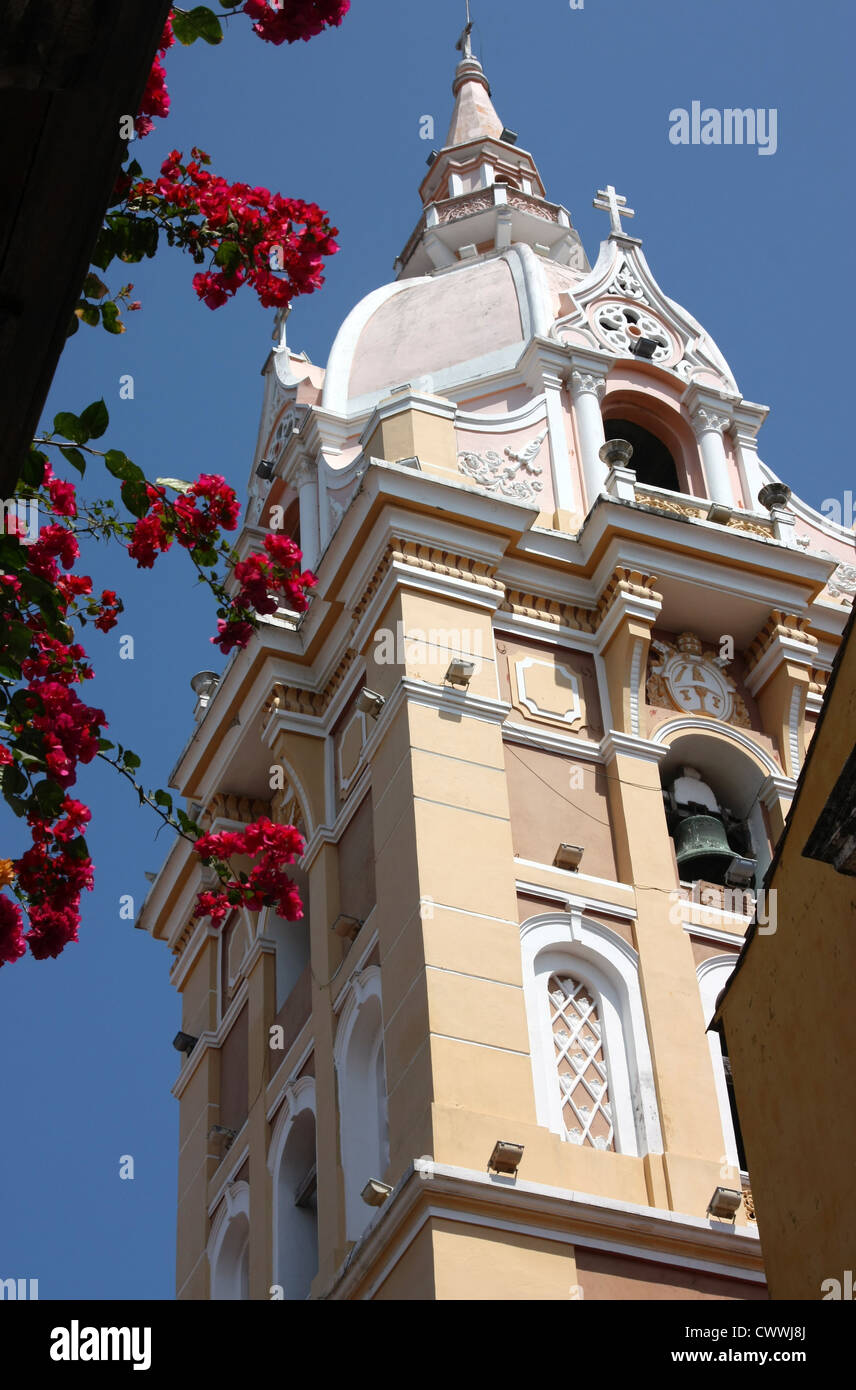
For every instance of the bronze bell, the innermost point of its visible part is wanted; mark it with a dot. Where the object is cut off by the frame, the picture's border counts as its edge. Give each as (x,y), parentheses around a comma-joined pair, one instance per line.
(702,849)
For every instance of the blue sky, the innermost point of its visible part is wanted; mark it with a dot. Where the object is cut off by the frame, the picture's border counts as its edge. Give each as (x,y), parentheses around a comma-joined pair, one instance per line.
(749,244)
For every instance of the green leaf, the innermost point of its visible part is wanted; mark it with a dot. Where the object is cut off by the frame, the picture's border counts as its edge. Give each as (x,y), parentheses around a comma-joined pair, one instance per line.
(110,318)
(176,484)
(131,760)
(136,498)
(228,255)
(188,825)
(33,468)
(49,797)
(104,745)
(198,23)
(88,313)
(78,849)
(95,418)
(70,427)
(121,467)
(94,287)
(75,458)
(162,798)
(105,248)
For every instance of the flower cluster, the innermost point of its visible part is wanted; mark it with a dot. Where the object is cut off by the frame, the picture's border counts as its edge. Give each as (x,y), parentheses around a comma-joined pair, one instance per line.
(267,884)
(156,97)
(267,581)
(53,873)
(276,245)
(184,520)
(290,20)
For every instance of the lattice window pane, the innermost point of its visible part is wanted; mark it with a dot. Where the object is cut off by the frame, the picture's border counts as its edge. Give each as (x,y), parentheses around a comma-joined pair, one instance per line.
(580,1063)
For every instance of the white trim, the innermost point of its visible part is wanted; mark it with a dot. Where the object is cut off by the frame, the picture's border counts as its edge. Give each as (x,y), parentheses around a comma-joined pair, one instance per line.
(553,940)
(635,671)
(573,714)
(550,740)
(234,1208)
(299,1097)
(704,724)
(713,974)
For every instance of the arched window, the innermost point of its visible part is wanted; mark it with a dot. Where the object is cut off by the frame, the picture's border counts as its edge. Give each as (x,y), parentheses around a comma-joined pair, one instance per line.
(292,1163)
(713,975)
(361,1076)
(229,1245)
(652,461)
(581,1071)
(591,1062)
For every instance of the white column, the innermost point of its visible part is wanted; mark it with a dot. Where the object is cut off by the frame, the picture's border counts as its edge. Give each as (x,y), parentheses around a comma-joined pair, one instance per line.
(305,479)
(563,488)
(587,389)
(708,427)
(748,419)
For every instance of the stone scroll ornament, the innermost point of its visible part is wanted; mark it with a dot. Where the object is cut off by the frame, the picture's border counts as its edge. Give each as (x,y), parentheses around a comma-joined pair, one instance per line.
(506,473)
(687,678)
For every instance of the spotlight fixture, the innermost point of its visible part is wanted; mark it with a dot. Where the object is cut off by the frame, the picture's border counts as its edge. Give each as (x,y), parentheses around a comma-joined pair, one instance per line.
(505,1157)
(184,1042)
(741,872)
(430,160)
(725,1203)
(719,512)
(460,672)
(568,857)
(222,1132)
(375,1192)
(347,927)
(265,469)
(370,702)
(509,137)
(644,347)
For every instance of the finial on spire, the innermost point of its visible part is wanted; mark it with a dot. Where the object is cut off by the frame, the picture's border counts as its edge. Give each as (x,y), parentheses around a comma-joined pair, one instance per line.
(615,204)
(465,43)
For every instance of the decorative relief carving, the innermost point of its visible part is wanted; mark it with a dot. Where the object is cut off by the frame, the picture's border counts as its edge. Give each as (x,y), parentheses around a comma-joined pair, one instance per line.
(697,511)
(548,689)
(626,284)
(587,383)
(633,583)
(842,583)
(548,610)
(313,702)
(705,420)
(532,206)
(692,680)
(497,474)
(622,325)
(464,207)
(226,806)
(779,624)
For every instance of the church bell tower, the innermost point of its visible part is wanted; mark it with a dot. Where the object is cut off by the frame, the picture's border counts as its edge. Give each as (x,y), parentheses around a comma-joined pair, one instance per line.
(540,727)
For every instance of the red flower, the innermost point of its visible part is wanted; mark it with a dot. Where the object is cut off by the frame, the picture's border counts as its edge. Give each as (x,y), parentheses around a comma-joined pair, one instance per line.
(12,945)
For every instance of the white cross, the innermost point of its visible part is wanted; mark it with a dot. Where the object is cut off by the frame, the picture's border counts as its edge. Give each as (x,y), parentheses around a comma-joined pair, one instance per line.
(615,204)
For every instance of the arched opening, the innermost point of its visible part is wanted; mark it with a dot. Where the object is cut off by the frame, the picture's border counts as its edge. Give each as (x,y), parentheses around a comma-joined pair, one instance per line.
(296,1253)
(591,1062)
(712,796)
(229,1249)
(362,1103)
(652,461)
(713,975)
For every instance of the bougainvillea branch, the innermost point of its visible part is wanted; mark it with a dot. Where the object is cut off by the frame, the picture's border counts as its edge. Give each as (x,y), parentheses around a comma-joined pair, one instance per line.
(47,732)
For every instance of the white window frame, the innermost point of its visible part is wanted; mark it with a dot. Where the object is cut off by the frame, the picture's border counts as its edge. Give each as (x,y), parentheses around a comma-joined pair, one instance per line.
(568,943)
(713,975)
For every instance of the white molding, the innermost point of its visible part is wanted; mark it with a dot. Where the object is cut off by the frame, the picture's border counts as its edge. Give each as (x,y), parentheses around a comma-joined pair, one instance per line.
(579,901)
(571,716)
(551,741)
(713,974)
(235,1207)
(602,959)
(706,724)
(724,938)
(614,742)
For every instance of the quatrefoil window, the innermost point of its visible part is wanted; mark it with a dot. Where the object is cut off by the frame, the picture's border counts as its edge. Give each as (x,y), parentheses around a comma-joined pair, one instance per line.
(621,326)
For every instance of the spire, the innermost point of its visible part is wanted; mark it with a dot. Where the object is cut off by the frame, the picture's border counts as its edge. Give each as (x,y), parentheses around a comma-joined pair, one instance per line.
(482,194)
(474,117)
